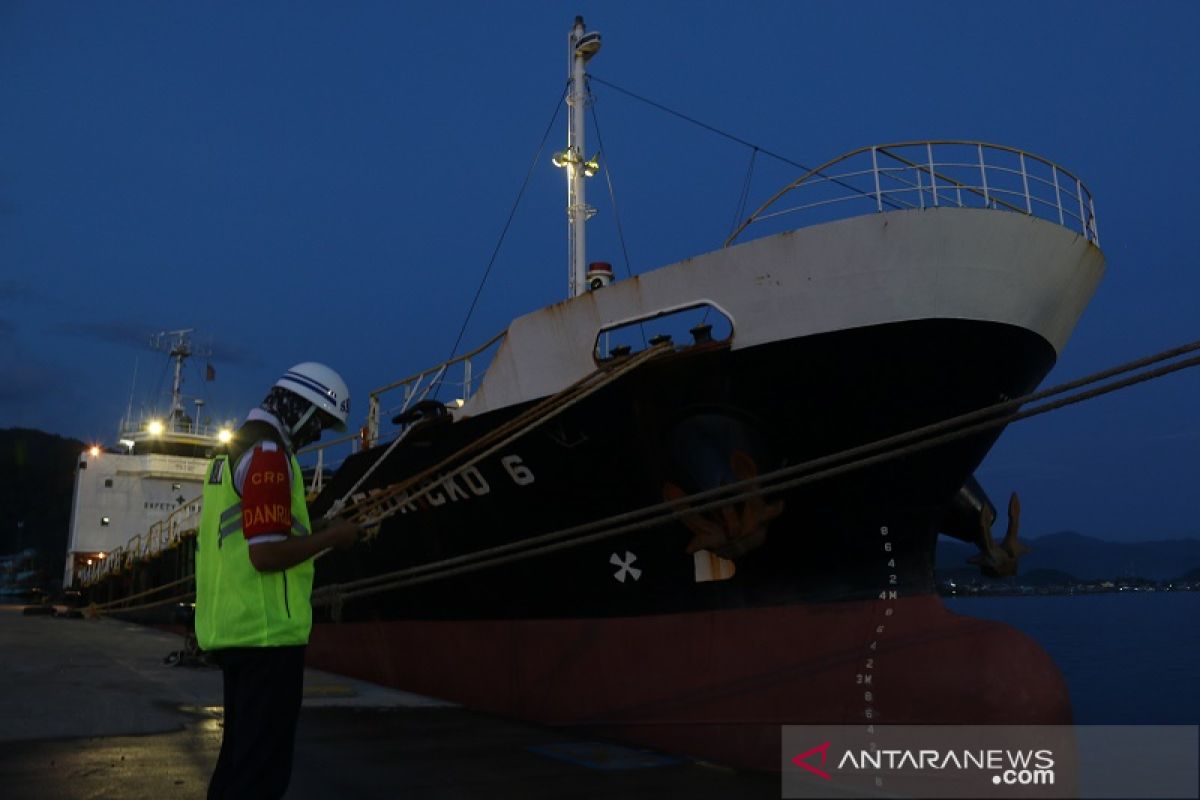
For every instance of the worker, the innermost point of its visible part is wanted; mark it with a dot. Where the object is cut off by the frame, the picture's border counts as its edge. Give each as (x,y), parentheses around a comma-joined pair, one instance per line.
(254,574)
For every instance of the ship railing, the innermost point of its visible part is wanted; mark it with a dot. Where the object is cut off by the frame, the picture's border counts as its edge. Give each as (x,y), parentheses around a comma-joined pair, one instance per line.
(162,536)
(183,426)
(460,375)
(932,174)
(130,552)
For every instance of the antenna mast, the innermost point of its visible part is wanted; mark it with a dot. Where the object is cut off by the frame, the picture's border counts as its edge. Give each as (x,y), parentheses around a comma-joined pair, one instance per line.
(178,346)
(582,45)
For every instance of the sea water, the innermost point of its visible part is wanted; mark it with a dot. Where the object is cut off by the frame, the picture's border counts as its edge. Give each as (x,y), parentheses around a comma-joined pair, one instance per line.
(1128,657)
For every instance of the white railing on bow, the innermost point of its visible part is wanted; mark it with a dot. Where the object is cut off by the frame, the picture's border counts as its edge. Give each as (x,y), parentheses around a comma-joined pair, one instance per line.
(933,174)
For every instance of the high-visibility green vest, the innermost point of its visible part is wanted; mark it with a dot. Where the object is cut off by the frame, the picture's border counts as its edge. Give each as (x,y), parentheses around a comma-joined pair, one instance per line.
(236,605)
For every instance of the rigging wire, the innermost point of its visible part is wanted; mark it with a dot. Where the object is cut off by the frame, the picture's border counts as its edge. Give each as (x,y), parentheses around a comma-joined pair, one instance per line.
(745,195)
(612,198)
(732,137)
(508,223)
(704,125)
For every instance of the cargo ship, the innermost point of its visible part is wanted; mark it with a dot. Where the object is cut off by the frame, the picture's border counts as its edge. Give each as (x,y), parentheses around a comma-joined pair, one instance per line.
(137,500)
(552,541)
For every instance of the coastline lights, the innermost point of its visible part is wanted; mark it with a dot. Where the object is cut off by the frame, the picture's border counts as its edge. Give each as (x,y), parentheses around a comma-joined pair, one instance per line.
(155,427)
(225,436)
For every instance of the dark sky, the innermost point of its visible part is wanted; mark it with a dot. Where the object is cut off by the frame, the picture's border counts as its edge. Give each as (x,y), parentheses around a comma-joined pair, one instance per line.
(327,181)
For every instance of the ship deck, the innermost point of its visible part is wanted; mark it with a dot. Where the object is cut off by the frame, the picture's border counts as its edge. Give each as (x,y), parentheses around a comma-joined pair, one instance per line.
(88,708)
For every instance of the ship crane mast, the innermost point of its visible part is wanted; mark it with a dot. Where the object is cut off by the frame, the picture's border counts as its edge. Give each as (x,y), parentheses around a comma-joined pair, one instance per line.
(582,45)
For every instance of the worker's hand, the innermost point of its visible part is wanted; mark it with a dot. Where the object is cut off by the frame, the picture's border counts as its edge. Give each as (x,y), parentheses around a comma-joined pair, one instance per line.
(339,533)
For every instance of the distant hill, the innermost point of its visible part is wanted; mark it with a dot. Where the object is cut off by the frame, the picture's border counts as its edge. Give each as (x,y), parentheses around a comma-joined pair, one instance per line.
(1191,576)
(38,480)
(1089,558)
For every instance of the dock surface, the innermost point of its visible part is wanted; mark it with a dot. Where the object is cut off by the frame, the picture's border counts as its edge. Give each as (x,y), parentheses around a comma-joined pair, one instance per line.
(89,709)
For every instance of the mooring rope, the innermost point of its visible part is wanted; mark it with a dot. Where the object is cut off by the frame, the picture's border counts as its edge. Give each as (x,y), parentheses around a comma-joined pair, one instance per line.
(522,424)
(381,504)
(155,590)
(823,468)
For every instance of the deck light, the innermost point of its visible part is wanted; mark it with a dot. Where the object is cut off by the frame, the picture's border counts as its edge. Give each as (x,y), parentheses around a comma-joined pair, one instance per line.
(94,450)
(225,436)
(155,427)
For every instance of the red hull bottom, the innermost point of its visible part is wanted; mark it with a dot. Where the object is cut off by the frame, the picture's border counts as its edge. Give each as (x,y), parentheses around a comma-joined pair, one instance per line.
(716,685)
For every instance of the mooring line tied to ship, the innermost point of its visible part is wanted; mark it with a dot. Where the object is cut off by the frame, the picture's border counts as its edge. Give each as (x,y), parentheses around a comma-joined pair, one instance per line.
(380,504)
(119,606)
(901,445)
(383,503)
(376,507)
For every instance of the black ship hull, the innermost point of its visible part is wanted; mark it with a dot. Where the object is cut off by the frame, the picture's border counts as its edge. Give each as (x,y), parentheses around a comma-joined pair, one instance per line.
(831,619)
(678,421)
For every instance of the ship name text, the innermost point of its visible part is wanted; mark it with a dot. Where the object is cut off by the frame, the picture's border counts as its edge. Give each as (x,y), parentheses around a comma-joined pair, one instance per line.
(455,487)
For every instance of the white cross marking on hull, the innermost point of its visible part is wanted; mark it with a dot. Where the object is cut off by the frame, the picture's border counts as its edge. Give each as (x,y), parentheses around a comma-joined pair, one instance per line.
(625,565)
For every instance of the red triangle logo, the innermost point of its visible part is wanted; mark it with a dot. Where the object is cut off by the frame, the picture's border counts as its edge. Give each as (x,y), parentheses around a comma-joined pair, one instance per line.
(800,760)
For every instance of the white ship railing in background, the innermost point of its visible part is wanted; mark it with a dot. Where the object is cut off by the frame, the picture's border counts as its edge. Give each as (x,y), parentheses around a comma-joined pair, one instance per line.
(162,536)
(932,174)
(461,375)
(166,426)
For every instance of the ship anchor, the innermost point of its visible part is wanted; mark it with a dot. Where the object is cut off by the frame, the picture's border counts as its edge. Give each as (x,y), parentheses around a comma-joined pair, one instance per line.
(736,530)
(1002,560)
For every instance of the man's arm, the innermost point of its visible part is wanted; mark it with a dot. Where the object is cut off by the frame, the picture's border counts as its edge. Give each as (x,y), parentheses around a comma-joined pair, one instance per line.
(264,481)
(286,553)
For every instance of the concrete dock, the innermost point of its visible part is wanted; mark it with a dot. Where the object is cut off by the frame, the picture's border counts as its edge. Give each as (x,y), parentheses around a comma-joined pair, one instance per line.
(89,709)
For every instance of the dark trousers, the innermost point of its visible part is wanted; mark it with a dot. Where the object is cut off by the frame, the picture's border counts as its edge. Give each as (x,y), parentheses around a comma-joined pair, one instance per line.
(263,686)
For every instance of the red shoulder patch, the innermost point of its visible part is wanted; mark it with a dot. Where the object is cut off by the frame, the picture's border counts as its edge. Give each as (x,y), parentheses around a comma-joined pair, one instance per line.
(267,495)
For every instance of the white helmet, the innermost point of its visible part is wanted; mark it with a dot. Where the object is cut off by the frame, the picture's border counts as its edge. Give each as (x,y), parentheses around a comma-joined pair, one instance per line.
(322,387)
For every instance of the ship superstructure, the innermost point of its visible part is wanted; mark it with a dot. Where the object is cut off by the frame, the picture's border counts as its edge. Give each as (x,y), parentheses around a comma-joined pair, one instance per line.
(134,496)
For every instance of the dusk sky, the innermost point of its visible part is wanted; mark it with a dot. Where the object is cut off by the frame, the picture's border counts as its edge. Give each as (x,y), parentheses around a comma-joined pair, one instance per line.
(324,181)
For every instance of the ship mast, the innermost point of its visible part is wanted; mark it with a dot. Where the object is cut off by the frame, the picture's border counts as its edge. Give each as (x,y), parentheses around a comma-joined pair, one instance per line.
(178,346)
(582,45)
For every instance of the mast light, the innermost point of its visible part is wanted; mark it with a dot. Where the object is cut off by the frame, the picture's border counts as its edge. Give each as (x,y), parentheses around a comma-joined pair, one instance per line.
(568,158)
